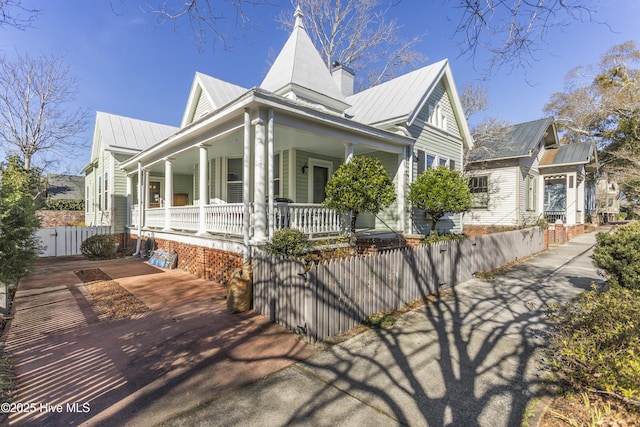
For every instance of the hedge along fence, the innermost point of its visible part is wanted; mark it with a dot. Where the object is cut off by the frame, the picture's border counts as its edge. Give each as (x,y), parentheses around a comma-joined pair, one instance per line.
(324,299)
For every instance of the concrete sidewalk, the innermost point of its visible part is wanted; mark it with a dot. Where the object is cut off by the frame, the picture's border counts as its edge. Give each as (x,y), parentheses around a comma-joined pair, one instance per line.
(471,358)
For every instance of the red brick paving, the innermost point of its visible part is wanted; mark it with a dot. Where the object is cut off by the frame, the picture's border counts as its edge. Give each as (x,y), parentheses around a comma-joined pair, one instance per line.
(187,351)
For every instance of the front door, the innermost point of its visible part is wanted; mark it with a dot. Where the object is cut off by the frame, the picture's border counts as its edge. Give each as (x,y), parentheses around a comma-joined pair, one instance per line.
(320,178)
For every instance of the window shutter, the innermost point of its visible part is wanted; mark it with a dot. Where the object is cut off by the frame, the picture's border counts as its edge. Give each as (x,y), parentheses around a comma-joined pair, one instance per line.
(420,161)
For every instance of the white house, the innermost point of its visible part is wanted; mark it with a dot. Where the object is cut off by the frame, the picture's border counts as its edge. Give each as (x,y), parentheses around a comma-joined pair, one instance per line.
(247,162)
(524,174)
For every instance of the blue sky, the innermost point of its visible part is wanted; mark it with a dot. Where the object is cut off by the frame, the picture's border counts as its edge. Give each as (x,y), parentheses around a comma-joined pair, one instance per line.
(128,65)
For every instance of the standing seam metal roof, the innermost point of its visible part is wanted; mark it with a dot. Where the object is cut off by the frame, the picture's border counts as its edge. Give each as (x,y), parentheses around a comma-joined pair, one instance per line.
(395,98)
(134,134)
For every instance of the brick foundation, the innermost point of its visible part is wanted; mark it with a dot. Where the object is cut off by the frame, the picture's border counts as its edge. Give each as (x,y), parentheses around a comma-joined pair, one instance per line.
(207,263)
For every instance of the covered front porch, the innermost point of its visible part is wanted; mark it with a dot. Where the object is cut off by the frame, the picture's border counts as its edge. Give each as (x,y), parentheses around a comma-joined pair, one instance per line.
(563,198)
(246,177)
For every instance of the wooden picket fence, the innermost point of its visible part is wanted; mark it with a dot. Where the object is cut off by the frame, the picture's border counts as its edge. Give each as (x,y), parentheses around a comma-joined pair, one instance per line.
(65,241)
(324,299)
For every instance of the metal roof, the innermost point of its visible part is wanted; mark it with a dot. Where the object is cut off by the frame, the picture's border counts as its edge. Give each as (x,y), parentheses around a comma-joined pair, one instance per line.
(67,187)
(396,98)
(300,66)
(565,154)
(514,141)
(122,134)
(219,91)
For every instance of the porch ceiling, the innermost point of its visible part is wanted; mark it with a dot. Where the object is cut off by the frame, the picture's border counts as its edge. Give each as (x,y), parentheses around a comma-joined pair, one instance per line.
(285,138)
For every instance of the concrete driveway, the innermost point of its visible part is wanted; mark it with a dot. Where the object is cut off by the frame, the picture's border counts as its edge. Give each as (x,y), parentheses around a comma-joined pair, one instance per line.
(74,367)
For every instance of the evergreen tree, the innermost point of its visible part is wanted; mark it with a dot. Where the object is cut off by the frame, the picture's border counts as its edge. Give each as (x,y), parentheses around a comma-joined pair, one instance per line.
(19,245)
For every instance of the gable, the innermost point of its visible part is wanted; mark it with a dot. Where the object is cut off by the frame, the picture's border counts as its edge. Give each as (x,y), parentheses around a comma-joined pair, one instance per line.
(408,97)
(208,94)
(438,111)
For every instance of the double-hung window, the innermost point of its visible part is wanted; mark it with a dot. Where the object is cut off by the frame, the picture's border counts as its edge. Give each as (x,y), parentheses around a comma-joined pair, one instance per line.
(479,187)
(235,169)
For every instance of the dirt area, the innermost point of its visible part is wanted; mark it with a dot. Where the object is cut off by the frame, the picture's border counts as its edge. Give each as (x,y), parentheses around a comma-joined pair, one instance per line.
(112,299)
(581,409)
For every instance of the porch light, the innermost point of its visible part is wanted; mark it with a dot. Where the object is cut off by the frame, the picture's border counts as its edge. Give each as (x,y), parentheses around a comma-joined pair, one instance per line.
(304,168)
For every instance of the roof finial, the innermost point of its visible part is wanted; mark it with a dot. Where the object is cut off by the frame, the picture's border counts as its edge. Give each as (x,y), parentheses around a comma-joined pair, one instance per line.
(298,15)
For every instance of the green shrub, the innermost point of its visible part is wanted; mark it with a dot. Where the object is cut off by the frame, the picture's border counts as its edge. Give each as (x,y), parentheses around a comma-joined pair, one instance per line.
(596,341)
(99,246)
(288,242)
(618,254)
(435,237)
(64,205)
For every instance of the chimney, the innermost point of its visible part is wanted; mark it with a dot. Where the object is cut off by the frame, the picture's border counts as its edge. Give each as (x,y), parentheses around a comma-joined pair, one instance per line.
(343,76)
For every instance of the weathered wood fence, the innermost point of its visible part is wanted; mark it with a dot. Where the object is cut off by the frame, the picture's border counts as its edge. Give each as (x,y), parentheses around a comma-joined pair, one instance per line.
(65,241)
(334,296)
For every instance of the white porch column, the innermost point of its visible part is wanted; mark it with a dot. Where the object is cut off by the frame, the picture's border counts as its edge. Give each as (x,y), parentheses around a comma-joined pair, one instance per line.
(571,198)
(581,201)
(348,152)
(141,193)
(203,187)
(129,192)
(402,182)
(259,196)
(412,161)
(271,173)
(147,193)
(246,200)
(168,192)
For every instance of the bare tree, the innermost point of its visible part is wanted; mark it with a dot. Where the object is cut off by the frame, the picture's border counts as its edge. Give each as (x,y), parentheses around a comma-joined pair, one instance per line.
(14,14)
(512,30)
(207,18)
(357,34)
(601,105)
(474,99)
(34,114)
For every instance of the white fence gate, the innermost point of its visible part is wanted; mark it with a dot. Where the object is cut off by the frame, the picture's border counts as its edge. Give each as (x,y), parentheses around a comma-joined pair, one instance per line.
(65,241)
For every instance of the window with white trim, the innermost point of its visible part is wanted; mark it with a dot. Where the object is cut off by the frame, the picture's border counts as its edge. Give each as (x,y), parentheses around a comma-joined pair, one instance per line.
(276,175)
(443,161)
(98,196)
(235,170)
(106,191)
(479,187)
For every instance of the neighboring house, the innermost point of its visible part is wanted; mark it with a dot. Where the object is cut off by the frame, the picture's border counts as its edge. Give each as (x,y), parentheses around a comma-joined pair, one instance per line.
(607,205)
(248,162)
(62,201)
(524,174)
(64,187)
(115,139)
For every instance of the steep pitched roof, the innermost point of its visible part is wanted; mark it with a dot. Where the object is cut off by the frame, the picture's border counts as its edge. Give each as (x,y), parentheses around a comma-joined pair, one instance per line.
(300,71)
(127,135)
(217,92)
(517,140)
(396,99)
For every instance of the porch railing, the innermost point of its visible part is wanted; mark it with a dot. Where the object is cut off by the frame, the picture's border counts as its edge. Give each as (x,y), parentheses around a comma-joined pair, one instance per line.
(185,218)
(135,215)
(224,218)
(227,218)
(154,217)
(309,218)
(553,216)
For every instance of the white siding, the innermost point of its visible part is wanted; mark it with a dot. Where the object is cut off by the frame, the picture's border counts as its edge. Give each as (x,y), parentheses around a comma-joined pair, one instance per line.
(502,208)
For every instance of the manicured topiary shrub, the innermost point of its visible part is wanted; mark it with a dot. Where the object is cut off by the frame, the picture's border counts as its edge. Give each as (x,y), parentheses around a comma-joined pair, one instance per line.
(618,254)
(100,246)
(288,242)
